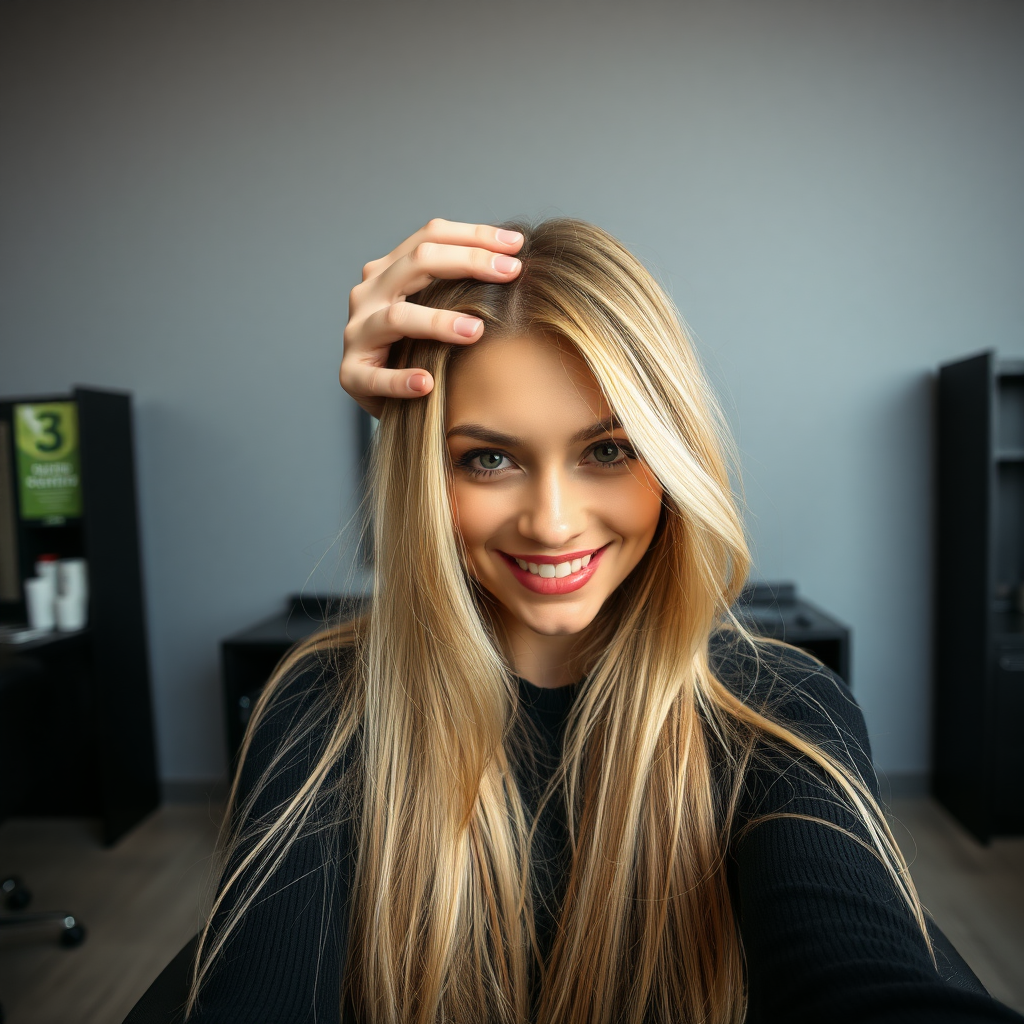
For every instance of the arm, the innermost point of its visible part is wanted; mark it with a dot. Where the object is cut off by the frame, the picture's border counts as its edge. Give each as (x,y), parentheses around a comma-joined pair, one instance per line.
(826,935)
(283,962)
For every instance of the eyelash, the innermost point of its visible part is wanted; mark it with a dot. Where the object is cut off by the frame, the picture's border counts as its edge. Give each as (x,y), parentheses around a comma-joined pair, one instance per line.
(465,461)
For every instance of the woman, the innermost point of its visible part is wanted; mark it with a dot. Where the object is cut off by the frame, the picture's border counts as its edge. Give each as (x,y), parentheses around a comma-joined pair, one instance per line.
(548,776)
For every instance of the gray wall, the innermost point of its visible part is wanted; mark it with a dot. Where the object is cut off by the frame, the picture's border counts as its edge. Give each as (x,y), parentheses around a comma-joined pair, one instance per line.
(831,192)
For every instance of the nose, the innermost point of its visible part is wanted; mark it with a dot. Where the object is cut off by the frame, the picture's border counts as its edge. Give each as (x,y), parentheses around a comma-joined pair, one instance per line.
(553,512)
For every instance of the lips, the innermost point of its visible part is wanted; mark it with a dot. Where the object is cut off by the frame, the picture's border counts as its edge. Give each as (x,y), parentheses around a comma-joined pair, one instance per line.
(565,584)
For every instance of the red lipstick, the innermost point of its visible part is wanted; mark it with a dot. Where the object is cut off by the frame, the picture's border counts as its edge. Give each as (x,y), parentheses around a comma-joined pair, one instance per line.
(551,584)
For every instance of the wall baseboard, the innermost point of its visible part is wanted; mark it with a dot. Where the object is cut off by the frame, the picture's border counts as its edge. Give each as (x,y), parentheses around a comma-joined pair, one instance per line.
(194,791)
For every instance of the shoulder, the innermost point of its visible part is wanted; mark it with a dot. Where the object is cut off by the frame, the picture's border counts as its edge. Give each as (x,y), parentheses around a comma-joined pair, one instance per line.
(292,722)
(766,671)
(789,687)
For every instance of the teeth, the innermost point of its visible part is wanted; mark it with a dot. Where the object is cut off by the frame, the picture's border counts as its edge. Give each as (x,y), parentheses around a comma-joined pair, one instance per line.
(557,571)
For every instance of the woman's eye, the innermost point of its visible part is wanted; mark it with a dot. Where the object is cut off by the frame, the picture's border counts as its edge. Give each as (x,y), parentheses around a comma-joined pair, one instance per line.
(489,460)
(607,453)
(484,463)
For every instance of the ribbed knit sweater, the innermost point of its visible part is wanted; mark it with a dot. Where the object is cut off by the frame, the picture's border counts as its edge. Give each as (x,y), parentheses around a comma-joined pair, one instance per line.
(825,935)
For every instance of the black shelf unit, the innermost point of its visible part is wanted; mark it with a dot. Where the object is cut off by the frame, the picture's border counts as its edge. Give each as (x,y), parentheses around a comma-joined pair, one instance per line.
(99,757)
(978,717)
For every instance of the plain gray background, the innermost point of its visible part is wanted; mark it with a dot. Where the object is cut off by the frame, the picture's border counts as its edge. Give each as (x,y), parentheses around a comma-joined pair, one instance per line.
(830,191)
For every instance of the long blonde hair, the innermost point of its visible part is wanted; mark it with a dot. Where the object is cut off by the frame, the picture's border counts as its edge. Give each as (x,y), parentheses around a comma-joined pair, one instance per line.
(421,708)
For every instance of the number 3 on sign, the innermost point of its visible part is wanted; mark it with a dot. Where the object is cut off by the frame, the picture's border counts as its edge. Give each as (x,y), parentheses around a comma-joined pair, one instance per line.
(43,429)
(46,437)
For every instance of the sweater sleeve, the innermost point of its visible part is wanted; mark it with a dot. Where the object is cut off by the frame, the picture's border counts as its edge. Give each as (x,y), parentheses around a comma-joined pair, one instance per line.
(826,935)
(282,963)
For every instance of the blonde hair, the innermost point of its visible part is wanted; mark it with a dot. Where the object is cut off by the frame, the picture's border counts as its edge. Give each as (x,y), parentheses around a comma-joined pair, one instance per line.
(420,695)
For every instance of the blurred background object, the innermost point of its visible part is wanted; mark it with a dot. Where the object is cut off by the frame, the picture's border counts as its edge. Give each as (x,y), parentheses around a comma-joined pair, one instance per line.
(979,632)
(98,756)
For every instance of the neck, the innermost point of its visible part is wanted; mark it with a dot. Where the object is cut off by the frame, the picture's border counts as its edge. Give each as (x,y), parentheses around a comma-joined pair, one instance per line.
(546,661)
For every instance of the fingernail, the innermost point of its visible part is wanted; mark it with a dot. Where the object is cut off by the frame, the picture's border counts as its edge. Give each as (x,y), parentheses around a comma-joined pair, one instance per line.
(505,264)
(417,382)
(508,237)
(465,326)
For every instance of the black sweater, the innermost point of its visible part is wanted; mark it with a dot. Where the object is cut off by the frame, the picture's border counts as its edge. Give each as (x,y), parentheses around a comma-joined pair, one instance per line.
(826,936)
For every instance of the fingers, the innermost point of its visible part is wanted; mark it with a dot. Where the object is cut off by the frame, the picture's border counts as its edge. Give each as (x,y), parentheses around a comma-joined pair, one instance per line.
(407,320)
(363,372)
(370,385)
(380,316)
(431,260)
(449,232)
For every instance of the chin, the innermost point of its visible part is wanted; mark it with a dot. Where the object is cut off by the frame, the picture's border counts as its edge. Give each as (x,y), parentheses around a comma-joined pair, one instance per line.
(552,623)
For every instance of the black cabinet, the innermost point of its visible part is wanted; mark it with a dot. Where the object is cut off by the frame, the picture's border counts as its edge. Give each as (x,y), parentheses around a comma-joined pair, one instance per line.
(776,611)
(99,756)
(249,658)
(978,759)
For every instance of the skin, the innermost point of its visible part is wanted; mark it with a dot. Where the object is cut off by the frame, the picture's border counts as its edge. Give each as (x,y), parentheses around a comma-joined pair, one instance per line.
(556,499)
(544,491)
(380,316)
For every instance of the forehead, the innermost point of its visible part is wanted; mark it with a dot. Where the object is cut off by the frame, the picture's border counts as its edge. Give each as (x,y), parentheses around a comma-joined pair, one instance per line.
(523,384)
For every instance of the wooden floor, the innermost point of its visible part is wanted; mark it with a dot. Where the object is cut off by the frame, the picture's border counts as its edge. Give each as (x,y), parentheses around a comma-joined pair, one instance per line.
(974,892)
(142,900)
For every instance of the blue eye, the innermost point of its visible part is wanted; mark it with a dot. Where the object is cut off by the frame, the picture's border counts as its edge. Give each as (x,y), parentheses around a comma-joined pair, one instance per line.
(606,452)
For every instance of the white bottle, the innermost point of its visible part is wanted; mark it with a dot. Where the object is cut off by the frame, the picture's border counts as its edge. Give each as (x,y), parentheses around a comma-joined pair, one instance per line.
(73,594)
(40,601)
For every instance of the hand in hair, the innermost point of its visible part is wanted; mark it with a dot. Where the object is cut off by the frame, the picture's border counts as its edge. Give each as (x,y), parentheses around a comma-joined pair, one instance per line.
(380,316)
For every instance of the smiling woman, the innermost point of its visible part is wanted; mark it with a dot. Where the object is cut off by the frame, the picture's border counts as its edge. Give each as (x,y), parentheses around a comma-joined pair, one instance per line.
(557,510)
(548,776)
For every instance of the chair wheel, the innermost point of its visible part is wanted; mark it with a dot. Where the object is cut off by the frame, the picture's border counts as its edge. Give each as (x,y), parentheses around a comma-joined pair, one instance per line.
(73,934)
(16,895)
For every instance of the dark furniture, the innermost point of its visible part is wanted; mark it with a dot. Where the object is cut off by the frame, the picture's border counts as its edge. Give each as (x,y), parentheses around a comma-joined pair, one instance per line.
(978,763)
(776,611)
(248,658)
(98,758)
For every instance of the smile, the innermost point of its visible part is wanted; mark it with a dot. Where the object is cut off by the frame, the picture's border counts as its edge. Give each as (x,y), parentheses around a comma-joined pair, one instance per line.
(556,571)
(558,574)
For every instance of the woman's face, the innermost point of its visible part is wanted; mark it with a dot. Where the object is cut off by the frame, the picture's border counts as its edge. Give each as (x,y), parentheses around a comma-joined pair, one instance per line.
(553,505)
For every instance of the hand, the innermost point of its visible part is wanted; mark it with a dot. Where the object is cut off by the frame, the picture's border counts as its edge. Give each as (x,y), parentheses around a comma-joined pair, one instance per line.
(378,314)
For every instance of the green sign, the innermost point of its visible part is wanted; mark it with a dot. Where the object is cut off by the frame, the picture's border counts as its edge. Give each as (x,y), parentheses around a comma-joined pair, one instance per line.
(49,474)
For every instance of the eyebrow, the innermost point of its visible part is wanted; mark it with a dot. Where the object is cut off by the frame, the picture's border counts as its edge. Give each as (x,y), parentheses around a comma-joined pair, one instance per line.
(481,433)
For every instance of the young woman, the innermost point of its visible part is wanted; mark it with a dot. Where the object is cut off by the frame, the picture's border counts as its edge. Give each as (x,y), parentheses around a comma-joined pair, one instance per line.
(548,776)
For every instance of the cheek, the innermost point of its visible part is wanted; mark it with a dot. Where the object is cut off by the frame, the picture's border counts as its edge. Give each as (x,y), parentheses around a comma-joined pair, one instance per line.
(633,512)
(478,512)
